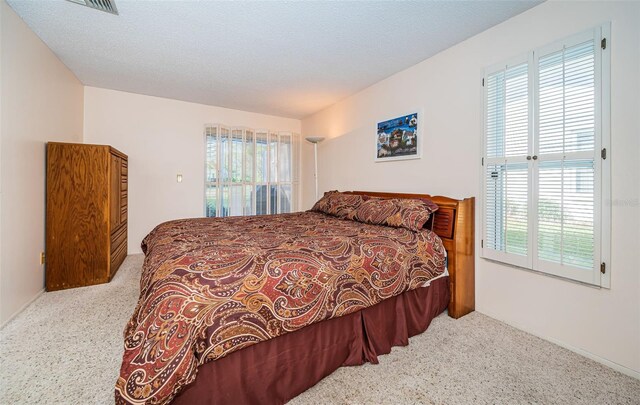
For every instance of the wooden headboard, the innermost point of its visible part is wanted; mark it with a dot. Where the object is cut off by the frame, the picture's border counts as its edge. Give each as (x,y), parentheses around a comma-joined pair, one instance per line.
(454,224)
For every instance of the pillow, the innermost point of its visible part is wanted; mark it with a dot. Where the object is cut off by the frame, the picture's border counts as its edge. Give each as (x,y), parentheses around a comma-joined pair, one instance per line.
(397,212)
(338,204)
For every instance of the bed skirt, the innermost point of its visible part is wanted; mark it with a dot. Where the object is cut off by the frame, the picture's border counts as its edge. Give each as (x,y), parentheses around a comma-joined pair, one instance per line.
(277,370)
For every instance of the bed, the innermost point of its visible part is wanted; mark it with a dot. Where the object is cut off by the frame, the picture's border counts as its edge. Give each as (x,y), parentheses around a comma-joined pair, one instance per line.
(262,308)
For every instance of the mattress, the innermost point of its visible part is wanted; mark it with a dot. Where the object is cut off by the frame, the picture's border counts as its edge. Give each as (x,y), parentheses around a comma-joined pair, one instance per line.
(211,287)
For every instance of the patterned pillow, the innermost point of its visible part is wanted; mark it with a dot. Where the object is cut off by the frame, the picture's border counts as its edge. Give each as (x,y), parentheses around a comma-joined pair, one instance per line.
(397,212)
(338,204)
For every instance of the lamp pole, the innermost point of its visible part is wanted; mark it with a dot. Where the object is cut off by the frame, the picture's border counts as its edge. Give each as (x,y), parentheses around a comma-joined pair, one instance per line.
(315,140)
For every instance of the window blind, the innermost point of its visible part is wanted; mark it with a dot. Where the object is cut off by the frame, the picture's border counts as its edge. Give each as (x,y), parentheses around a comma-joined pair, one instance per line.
(566,151)
(543,162)
(250,172)
(506,176)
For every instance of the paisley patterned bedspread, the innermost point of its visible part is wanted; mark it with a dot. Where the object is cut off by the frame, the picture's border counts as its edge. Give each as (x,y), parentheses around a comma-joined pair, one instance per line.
(211,286)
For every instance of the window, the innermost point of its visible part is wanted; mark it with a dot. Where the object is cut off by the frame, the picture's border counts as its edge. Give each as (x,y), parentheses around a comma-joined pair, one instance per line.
(250,172)
(545,170)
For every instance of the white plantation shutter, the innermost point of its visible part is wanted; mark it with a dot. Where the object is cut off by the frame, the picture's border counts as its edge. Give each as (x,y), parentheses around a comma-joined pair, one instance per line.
(568,158)
(506,175)
(250,172)
(544,176)
(566,214)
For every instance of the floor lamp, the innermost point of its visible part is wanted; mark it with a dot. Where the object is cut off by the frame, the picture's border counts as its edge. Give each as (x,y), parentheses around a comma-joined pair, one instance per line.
(315,140)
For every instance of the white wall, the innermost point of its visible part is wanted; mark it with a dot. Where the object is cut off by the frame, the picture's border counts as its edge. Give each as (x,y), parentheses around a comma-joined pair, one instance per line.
(41,100)
(2,12)
(162,138)
(603,324)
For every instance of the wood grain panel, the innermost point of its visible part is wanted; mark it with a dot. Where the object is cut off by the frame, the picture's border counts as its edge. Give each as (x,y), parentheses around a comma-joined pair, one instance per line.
(118,257)
(117,238)
(454,223)
(84,207)
(464,292)
(77,216)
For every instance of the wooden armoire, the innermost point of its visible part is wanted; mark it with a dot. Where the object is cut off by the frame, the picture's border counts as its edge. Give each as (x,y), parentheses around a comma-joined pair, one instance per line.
(86,214)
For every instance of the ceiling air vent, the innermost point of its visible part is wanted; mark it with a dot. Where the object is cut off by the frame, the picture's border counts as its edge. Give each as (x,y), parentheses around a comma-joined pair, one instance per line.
(108,6)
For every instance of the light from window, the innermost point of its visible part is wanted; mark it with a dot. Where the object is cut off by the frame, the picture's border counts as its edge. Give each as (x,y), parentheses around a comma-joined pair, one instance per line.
(250,172)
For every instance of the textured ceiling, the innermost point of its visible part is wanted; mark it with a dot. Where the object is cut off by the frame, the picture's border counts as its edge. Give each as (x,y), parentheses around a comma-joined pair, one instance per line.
(283,58)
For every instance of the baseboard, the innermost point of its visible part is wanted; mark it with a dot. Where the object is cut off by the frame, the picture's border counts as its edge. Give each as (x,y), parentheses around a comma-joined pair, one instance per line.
(18,312)
(618,367)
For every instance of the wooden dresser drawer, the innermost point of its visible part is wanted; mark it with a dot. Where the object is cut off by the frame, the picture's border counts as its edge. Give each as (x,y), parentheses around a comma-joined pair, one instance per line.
(118,256)
(117,236)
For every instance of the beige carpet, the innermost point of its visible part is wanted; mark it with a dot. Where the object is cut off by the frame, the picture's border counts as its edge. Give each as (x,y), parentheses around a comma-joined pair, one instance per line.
(66,349)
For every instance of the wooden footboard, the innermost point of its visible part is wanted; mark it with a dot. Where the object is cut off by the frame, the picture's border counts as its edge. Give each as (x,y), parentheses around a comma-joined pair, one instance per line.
(454,222)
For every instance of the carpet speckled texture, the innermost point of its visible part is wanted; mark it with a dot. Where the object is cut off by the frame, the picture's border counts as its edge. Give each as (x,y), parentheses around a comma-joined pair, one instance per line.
(66,348)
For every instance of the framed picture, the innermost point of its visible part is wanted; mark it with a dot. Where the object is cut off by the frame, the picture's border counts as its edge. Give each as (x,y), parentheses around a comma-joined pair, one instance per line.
(399,138)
